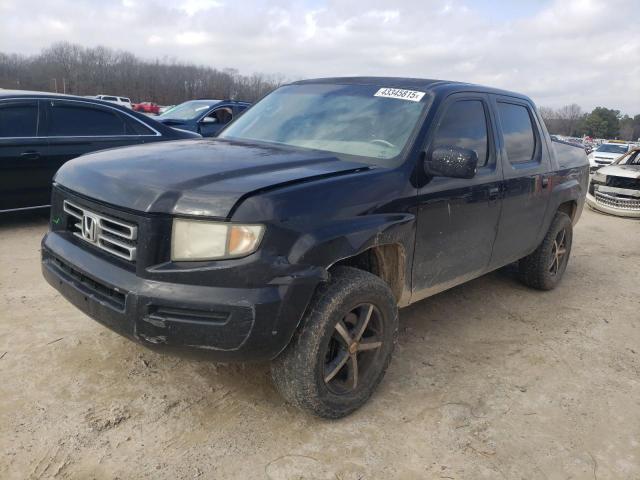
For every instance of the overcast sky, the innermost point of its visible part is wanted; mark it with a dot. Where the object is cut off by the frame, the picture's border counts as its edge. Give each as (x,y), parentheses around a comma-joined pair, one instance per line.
(557,51)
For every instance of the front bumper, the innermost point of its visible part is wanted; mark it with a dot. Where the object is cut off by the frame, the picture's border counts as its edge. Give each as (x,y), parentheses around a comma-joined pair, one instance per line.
(229,324)
(614,207)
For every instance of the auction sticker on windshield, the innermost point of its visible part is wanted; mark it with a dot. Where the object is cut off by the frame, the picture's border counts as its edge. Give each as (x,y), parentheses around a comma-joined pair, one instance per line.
(411,95)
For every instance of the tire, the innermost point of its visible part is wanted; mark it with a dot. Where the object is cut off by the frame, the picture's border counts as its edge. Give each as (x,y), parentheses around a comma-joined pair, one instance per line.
(543,269)
(316,371)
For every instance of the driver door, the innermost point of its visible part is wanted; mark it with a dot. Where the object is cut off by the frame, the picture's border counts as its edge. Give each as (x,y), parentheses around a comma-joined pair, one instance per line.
(458,218)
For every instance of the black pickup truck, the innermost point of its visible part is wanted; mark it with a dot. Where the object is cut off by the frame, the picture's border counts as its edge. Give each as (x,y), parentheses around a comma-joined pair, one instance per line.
(297,234)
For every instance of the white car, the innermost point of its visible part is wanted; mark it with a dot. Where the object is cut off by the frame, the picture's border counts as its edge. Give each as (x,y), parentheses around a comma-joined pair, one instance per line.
(606,153)
(123,101)
(615,189)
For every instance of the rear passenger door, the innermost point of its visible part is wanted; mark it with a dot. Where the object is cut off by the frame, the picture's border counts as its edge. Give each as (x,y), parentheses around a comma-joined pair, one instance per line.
(458,218)
(75,128)
(527,181)
(23,176)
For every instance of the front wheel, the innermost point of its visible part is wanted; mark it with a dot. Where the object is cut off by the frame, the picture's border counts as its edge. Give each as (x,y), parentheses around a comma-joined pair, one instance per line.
(543,269)
(343,346)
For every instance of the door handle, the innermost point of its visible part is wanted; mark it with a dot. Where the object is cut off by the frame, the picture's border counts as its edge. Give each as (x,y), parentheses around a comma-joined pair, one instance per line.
(494,193)
(545,181)
(30,155)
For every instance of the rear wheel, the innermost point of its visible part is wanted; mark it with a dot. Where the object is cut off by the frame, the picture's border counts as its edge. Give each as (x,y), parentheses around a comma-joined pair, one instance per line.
(343,347)
(544,268)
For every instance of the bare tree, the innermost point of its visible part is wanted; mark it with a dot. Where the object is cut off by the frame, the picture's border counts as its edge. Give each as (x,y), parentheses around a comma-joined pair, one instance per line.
(90,71)
(564,121)
(570,115)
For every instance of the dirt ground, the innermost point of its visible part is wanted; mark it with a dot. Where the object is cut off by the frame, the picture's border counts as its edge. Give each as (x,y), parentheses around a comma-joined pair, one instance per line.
(489,380)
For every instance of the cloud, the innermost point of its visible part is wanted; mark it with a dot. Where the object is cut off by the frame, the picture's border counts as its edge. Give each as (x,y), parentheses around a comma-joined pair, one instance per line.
(556,51)
(192,38)
(191,7)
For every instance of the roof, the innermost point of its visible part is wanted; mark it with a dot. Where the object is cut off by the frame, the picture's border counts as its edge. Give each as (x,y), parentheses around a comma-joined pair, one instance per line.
(60,96)
(426,84)
(217,101)
(30,93)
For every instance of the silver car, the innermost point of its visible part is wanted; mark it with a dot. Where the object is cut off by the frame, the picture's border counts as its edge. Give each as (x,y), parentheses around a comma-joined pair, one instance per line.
(615,189)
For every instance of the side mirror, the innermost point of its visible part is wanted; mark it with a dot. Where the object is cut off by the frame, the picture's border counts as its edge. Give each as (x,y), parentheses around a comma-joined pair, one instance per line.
(450,161)
(209,120)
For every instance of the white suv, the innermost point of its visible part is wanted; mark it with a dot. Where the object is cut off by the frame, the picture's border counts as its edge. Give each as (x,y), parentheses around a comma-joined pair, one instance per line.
(124,101)
(606,153)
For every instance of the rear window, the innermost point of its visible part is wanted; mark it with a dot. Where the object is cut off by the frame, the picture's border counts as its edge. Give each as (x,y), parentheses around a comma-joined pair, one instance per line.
(109,99)
(71,120)
(125,100)
(517,130)
(19,119)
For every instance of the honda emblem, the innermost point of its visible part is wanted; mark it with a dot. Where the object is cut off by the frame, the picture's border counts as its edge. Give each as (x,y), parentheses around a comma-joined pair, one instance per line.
(90,228)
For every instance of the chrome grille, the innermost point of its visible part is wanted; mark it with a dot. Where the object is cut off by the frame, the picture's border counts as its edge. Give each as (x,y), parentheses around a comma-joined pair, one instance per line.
(617,202)
(107,233)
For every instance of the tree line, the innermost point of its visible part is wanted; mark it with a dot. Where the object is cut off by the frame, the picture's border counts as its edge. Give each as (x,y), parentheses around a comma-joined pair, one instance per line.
(73,69)
(602,122)
(69,68)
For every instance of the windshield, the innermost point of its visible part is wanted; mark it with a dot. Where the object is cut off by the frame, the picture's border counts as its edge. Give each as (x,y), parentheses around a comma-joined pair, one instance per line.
(354,120)
(632,158)
(188,110)
(611,148)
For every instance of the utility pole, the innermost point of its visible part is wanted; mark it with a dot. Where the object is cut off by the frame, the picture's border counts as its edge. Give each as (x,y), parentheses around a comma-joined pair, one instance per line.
(55,84)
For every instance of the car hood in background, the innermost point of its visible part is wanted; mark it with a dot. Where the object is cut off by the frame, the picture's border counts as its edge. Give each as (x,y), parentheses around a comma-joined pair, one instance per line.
(193,177)
(173,122)
(187,133)
(626,171)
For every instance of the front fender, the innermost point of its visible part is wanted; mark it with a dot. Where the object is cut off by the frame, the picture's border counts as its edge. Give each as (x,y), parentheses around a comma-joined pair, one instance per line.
(348,237)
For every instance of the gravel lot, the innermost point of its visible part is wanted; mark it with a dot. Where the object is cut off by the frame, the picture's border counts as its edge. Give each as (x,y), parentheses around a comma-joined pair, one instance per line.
(490,380)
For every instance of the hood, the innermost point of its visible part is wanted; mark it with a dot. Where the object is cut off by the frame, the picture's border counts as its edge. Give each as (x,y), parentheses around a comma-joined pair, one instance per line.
(626,171)
(173,121)
(187,133)
(193,177)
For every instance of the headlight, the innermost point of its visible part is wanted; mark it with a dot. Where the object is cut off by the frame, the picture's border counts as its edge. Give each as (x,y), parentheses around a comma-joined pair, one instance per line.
(599,177)
(193,240)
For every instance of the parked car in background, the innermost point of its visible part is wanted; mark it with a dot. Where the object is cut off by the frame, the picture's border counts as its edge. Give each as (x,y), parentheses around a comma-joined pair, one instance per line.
(39,132)
(206,117)
(615,188)
(123,101)
(296,236)
(147,107)
(606,153)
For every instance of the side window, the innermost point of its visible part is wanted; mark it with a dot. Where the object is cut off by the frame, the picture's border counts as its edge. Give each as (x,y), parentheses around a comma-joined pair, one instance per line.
(464,125)
(223,115)
(517,130)
(68,119)
(19,119)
